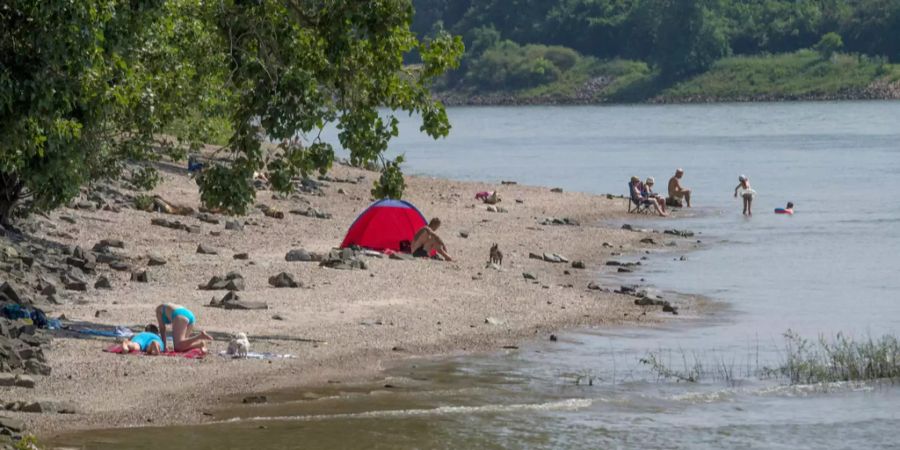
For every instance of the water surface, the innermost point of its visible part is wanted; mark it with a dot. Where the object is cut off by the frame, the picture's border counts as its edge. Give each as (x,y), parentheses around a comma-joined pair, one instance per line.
(832,267)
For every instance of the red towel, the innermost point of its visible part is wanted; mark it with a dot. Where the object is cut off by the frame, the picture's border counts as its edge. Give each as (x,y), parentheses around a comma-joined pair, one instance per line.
(194,353)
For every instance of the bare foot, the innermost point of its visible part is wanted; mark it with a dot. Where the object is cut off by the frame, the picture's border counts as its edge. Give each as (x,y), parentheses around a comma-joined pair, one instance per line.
(206,336)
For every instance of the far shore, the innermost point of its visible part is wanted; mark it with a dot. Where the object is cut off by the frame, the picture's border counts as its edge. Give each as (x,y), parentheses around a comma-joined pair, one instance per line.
(342,325)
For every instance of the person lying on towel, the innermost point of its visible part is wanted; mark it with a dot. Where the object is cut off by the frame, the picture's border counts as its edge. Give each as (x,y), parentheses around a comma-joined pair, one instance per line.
(148,342)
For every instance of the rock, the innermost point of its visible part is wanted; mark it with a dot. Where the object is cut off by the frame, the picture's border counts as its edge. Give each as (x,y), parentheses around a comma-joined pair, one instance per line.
(536,256)
(301,255)
(15,426)
(204,249)
(277,317)
(255,399)
(24,381)
(311,212)
(528,276)
(234,225)
(140,276)
(464,234)
(47,407)
(562,221)
(269,211)
(175,225)
(208,218)
(35,367)
(595,287)
(627,227)
(682,233)
(493,321)
(114,243)
(343,259)
(241,256)
(102,283)
(520,201)
(624,270)
(7,290)
(553,338)
(648,240)
(556,190)
(491,208)
(578,265)
(233,281)
(73,281)
(7,379)
(119,266)
(508,182)
(155,260)
(68,219)
(284,280)
(670,309)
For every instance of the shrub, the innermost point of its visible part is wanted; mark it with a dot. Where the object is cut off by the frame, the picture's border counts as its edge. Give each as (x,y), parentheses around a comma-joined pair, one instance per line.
(830,44)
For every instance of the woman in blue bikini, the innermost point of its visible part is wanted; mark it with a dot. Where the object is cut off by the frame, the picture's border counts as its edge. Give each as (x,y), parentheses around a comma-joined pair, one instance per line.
(182,321)
(148,342)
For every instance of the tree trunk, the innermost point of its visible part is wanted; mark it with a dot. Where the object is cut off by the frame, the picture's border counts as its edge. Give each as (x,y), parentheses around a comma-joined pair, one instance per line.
(10,194)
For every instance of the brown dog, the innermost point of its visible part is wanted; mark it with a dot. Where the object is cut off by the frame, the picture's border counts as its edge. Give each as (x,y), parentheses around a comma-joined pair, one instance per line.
(496,255)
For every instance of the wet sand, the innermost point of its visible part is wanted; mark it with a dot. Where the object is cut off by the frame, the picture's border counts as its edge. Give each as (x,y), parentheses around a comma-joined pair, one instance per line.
(342,325)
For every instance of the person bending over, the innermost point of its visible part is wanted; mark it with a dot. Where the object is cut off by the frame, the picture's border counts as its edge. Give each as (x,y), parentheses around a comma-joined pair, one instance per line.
(427,241)
(182,321)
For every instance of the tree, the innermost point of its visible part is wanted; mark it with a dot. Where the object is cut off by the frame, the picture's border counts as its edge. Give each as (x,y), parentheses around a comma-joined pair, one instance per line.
(87,86)
(830,44)
(685,37)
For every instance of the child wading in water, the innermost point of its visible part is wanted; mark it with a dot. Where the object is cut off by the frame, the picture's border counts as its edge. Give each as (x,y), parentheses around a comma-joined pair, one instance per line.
(743,189)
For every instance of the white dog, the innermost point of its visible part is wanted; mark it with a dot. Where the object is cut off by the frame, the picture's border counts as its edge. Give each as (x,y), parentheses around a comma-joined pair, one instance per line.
(239,346)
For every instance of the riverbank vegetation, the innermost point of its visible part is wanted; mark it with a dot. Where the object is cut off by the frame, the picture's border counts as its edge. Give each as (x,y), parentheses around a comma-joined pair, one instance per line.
(804,361)
(593,51)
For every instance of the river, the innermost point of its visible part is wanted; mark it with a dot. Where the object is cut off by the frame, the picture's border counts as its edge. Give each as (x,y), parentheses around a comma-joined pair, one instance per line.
(829,268)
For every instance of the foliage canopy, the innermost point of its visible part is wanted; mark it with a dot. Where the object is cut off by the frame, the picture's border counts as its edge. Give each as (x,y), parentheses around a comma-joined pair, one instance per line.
(87,86)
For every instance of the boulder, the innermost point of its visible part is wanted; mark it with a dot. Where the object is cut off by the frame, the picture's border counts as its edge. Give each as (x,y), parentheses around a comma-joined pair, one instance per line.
(119,266)
(234,225)
(578,265)
(155,260)
(208,218)
(301,255)
(284,280)
(73,281)
(343,259)
(140,276)
(233,281)
(114,243)
(529,276)
(241,256)
(102,283)
(557,190)
(204,249)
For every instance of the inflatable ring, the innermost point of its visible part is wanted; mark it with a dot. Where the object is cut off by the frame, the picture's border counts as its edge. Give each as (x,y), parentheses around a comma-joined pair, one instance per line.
(783,211)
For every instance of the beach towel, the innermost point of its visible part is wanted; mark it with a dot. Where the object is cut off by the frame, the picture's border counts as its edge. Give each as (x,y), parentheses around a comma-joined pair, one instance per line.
(195,353)
(119,332)
(255,355)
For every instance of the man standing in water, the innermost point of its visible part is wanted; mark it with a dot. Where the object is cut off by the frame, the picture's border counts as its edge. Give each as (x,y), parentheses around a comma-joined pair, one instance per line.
(677,191)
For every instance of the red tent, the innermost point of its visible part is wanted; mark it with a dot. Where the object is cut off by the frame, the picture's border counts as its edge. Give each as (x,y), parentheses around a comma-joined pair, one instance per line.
(384,224)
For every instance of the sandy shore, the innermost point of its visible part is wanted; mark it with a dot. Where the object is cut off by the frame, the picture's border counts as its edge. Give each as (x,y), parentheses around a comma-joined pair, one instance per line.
(343,325)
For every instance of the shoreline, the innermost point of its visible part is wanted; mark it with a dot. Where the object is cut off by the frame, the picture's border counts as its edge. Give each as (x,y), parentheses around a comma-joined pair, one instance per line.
(360,337)
(455,99)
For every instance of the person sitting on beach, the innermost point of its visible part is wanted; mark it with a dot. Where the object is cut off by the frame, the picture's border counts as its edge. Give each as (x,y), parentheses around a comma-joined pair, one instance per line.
(640,195)
(677,191)
(147,341)
(426,241)
(746,192)
(182,321)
